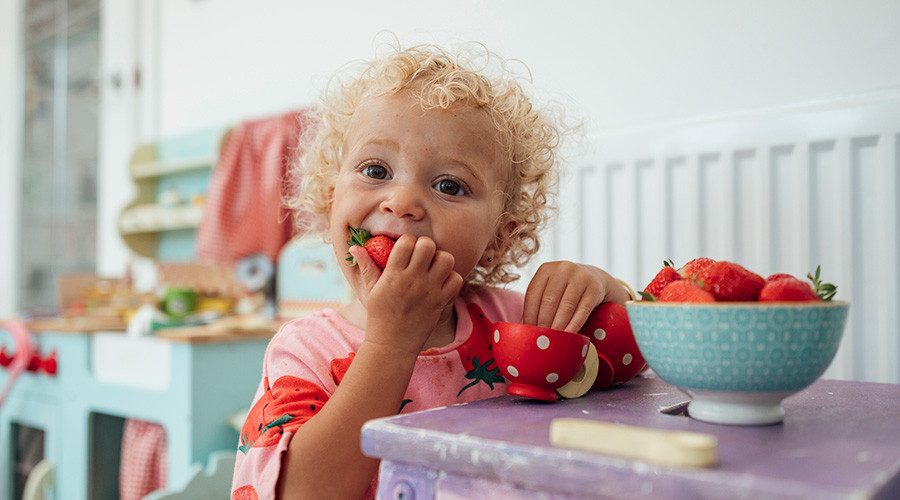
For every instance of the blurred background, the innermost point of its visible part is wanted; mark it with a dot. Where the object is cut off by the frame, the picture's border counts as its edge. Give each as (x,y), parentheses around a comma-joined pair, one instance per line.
(83,83)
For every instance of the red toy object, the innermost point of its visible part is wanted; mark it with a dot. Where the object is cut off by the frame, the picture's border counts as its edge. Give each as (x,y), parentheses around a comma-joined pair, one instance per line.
(610,332)
(22,357)
(49,364)
(34,364)
(536,361)
(5,358)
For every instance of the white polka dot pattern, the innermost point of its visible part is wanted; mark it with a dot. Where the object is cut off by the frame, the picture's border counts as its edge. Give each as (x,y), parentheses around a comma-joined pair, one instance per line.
(543,342)
(552,378)
(599,334)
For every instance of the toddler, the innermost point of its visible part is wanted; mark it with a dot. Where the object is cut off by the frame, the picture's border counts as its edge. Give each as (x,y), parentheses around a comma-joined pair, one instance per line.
(425,148)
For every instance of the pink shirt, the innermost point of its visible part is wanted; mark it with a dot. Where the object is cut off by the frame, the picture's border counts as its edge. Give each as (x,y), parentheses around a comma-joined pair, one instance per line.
(308,357)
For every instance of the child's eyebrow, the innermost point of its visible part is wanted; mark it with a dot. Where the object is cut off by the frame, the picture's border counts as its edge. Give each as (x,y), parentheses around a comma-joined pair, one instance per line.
(478,173)
(377,141)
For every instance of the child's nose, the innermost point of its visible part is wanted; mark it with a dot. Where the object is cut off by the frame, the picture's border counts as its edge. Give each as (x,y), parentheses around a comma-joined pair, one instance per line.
(405,201)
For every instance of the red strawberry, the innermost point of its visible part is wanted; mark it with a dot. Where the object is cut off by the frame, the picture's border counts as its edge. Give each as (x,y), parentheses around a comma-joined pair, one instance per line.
(788,289)
(284,406)
(692,268)
(379,247)
(778,276)
(665,276)
(340,366)
(685,291)
(247,492)
(730,282)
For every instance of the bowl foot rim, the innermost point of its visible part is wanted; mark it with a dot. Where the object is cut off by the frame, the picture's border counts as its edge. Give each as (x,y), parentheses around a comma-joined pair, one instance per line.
(737,408)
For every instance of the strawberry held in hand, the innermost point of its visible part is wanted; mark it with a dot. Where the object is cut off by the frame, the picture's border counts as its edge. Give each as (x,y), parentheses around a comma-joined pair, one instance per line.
(379,247)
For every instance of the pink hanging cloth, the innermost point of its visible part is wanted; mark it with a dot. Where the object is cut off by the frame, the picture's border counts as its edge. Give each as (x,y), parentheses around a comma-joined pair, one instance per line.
(243,214)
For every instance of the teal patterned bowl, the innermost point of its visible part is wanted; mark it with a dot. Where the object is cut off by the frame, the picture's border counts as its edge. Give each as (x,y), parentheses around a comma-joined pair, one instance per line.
(738,361)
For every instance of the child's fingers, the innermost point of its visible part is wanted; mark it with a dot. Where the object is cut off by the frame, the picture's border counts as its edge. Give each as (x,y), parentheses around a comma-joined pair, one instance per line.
(567,306)
(452,285)
(542,300)
(423,253)
(585,306)
(402,252)
(532,304)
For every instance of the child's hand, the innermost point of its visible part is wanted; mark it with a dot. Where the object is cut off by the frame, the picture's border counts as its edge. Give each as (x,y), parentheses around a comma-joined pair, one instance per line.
(562,294)
(405,301)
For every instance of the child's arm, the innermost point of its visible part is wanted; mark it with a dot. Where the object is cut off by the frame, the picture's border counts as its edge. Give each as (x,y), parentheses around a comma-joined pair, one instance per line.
(562,294)
(404,304)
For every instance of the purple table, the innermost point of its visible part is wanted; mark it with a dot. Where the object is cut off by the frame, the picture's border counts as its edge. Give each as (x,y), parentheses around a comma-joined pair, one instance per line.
(838,440)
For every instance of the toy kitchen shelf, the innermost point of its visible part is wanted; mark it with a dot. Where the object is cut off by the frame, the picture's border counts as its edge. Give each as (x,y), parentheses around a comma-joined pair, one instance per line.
(172,177)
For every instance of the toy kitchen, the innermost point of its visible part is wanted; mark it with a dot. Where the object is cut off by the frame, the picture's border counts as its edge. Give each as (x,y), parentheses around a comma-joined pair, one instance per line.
(184,357)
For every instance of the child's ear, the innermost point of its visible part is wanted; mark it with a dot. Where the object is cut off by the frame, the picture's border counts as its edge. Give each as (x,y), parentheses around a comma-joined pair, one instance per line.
(499,245)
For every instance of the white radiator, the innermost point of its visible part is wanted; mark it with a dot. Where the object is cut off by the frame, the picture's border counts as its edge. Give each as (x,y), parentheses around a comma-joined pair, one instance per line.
(777,191)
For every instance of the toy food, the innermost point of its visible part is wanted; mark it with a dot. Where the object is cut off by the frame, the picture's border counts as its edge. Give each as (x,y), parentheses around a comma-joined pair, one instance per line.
(610,333)
(537,360)
(541,362)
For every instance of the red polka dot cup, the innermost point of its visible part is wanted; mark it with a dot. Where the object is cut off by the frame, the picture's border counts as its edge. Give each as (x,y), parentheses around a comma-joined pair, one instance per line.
(610,332)
(536,361)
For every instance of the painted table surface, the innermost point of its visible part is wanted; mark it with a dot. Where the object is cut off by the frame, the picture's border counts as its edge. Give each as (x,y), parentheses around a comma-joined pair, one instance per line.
(839,439)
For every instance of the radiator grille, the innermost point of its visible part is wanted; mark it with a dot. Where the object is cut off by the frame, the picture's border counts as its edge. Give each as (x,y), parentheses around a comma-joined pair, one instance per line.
(777,191)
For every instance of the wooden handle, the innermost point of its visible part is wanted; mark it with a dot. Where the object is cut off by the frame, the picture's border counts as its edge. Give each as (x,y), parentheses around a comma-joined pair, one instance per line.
(678,448)
(585,377)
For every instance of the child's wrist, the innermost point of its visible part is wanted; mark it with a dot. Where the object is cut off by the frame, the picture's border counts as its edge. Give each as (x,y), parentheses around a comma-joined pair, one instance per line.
(391,350)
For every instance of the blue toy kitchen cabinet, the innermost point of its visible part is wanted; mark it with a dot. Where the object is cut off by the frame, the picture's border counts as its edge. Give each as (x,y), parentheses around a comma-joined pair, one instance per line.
(188,380)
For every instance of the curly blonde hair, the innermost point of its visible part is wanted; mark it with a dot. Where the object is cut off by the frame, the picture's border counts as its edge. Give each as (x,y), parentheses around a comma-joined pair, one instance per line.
(438,79)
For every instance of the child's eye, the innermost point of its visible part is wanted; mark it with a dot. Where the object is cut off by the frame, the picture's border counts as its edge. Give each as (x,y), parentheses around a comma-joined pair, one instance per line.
(376,171)
(450,187)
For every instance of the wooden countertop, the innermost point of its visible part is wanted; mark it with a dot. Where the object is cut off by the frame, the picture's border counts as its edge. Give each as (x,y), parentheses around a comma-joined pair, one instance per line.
(229,329)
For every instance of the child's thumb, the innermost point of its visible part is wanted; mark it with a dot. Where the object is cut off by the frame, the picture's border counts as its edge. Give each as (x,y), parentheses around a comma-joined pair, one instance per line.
(367,267)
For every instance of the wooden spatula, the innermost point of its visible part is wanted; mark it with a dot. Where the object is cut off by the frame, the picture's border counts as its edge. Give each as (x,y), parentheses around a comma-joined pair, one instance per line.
(677,448)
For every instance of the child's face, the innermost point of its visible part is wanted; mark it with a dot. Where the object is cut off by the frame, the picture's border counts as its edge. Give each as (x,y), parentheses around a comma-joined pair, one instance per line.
(436,173)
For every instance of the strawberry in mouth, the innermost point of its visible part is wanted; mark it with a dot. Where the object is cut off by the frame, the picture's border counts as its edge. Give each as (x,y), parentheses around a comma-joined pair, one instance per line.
(379,247)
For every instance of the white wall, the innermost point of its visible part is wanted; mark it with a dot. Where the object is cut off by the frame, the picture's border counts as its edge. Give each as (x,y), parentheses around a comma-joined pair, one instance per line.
(615,64)
(619,63)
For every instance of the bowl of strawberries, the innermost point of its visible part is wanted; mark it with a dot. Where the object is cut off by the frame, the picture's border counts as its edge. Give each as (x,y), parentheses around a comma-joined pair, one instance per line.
(737,343)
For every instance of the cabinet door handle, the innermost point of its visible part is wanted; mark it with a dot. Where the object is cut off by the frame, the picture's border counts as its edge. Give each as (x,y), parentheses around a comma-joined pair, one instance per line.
(41,476)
